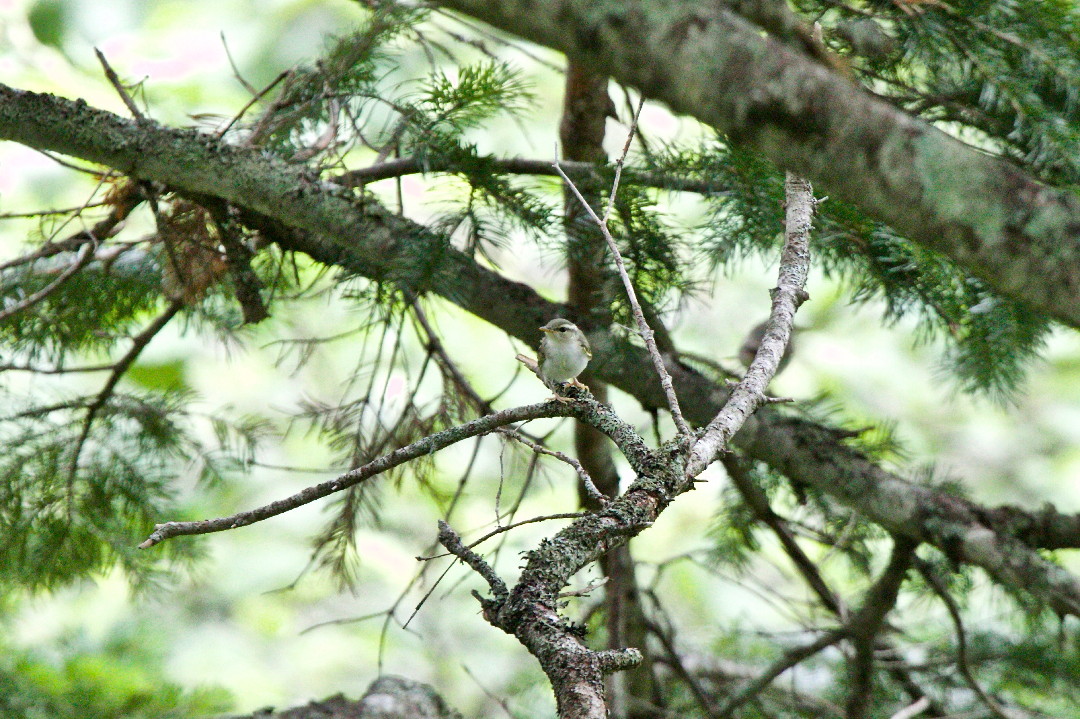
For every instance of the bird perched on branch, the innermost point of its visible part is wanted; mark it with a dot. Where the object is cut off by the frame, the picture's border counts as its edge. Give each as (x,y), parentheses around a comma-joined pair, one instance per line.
(564,352)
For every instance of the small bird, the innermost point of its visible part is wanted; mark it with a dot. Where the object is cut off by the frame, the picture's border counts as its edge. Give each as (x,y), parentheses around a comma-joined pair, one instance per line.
(564,352)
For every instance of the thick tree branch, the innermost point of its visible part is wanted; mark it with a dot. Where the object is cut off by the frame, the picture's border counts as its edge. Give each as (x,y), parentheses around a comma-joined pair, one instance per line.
(705,61)
(530,611)
(958,527)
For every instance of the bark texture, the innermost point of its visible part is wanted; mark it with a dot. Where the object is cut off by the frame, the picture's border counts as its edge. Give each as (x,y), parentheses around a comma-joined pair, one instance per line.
(704,60)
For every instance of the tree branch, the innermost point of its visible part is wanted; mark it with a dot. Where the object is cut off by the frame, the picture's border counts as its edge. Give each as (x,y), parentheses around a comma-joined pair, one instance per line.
(427,445)
(530,610)
(592,172)
(865,624)
(586,481)
(82,257)
(643,327)
(703,60)
(962,664)
(787,296)
(789,659)
(453,544)
(757,501)
(958,527)
(138,344)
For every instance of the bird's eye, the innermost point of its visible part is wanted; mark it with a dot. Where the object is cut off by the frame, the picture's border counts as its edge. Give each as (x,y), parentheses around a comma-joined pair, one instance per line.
(562,329)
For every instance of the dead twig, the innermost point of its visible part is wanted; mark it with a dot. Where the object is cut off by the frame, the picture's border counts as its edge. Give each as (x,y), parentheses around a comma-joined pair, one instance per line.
(590,487)
(962,663)
(786,661)
(643,326)
(120,89)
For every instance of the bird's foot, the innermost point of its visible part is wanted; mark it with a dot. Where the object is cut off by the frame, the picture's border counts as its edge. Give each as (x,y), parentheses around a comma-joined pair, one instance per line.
(574,390)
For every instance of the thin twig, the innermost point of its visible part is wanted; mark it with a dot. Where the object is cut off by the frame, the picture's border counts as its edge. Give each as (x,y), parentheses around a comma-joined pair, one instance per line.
(643,326)
(480,29)
(121,205)
(336,622)
(962,664)
(507,528)
(427,445)
(391,169)
(758,503)
(84,256)
(419,604)
(449,367)
(95,172)
(11,367)
(490,695)
(138,344)
(590,487)
(515,525)
(236,71)
(41,411)
(42,213)
(120,90)
(124,199)
(49,249)
(701,696)
(749,394)
(789,659)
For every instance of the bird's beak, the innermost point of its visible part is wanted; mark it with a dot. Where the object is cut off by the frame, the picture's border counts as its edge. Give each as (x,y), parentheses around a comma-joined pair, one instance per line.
(545,329)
